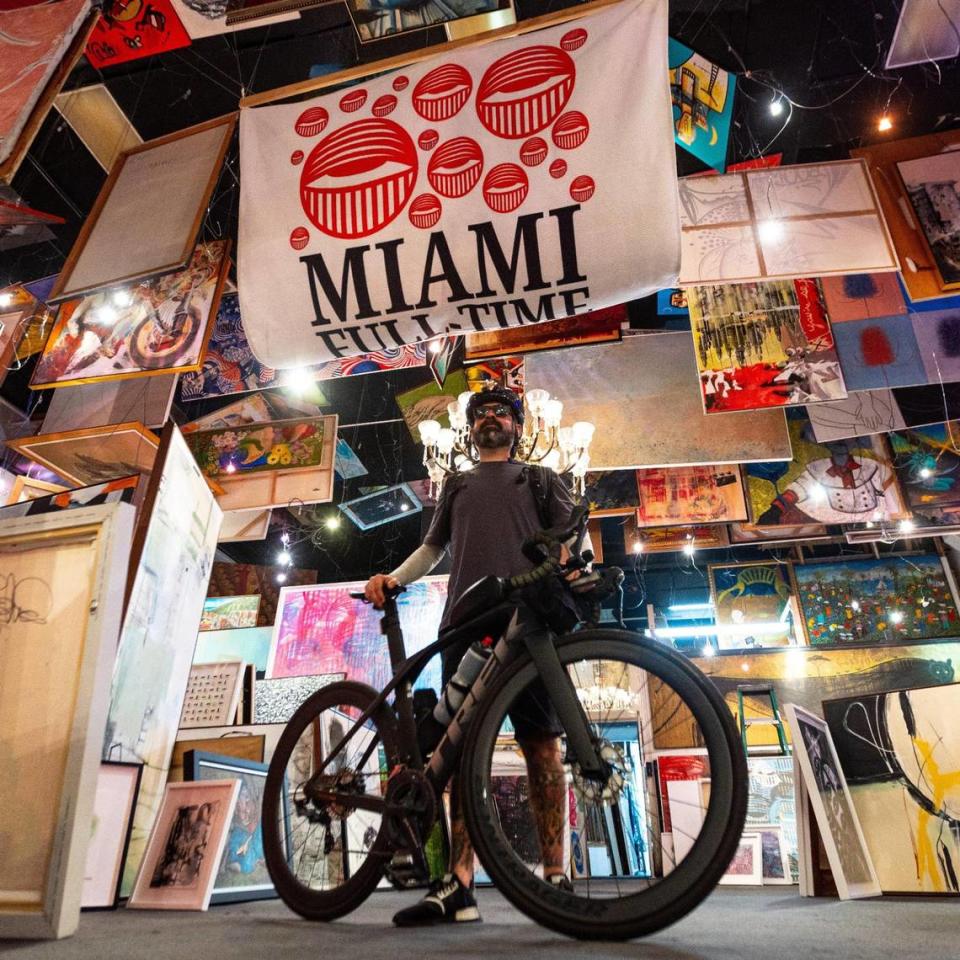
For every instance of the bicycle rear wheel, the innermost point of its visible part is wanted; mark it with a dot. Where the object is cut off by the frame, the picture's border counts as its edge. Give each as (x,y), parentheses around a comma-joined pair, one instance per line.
(326,858)
(634,868)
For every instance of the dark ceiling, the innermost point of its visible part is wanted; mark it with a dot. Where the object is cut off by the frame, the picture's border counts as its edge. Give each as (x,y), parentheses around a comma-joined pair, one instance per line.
(825,55)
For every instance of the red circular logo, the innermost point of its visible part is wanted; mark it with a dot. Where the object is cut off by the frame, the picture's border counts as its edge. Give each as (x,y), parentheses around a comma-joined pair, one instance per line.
(425,211)
(558,168)
(353,101)
(400,83)
(442,93)
(428,139)
(299,238)
(533,152)
(311,122)
(582,188)
(296,157)
(523,92)
(574,39)
(384,105)
(359,178)
(571,130)
(455,168)
(505,187)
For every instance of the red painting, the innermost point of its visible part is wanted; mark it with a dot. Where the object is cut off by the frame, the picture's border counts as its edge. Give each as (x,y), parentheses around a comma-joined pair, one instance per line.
(679,767)
(131,29)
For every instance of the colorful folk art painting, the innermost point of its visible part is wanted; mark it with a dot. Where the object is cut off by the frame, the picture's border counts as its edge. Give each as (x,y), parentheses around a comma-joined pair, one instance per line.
(702,96)
(862,296)
(131,29)
(160,324)
(900,753)
(225,613)
(236,579)
(685,495)
(879,352)
(849,481)
(927,461)
(321,629)
(893,599)
(259,447)
(763,345)
(612,493)
(752,604)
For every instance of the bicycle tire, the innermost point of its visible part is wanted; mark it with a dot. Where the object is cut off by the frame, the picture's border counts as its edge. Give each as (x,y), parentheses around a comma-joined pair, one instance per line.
(679,891)
(311,903)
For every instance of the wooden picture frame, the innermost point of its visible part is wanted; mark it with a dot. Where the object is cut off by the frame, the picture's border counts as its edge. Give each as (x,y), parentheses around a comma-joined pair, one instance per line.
(213,692)
(111,833)
(65,571)
(787,636)
(243,526)
(87,266)
(832,804)
(703,494)
(31,488)
(242,746)
(49,451)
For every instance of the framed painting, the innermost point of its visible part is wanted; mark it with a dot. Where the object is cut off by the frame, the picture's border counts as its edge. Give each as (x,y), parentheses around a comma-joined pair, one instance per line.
(772,806)
(250,644)
(158,326)
(919,268)
(899,751)
(860,415)
(751,533)
(213,692)
(848,481)
(224,741)
(373,22)
(187,842)
(688,495)
(234,579)
(225,613)
(347,464)
(893,599)
(169,571)
(597,326)
(383,506)
(269,464)
(93,455)
(495,372)
(32,488)
(927,461)
(746,867)
(17,308)
(125,490)
(862,296)
(277,700)
(62,576)
(141,30)
(113,805)
(146,219)
(880,353)
(833,807)
(242,526)
(322,629)
(936,333)
(763,345)
(145,399)
(752,604)
(801,220)
(242,873)
(672,539)
(203,19)
(646,393)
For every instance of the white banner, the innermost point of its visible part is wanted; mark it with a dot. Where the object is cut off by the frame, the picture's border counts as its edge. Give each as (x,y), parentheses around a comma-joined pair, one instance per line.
(523,180)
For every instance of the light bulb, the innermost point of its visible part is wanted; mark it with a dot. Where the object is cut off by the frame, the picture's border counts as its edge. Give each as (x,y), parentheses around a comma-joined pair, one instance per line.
(463,399)
(284,558)
(885,124)
(298,379)
(907,526)
(282,577)
(896,616)
(537,401)
(435,346)
(637,546)
(122,298)
(776,107)
(6,299)
(462,462)
(745,667)
(926,473)
(429,431)
(332,522)
(583,432)
(553,412)
(445,440)
(689,549)
(770,231)
(404,507)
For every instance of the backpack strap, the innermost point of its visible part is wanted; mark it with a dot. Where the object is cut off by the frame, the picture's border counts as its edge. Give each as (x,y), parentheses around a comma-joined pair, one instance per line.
(541,481)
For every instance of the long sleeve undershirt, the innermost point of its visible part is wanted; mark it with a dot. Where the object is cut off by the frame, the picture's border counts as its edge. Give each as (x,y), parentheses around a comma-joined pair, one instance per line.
(418,564)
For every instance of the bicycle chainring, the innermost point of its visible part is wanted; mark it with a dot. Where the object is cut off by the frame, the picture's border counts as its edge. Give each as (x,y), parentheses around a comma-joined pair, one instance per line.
(411,805)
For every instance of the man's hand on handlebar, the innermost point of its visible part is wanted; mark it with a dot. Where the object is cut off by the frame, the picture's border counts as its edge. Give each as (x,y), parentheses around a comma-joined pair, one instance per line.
(376,585)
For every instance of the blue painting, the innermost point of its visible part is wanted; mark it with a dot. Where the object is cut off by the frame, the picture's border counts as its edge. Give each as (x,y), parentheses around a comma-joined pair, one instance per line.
(250,644)
(879,352)
(347,464)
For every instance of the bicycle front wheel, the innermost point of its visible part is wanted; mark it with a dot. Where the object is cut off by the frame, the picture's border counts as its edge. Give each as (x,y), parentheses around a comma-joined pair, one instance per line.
(633,866)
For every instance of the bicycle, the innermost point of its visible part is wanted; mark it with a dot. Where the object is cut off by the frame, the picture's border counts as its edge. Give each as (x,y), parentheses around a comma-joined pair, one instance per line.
(347,788)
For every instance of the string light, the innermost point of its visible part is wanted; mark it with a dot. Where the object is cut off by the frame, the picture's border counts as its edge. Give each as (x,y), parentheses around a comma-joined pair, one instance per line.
(637,546)
(332,522)
(896,616)
(885,124)
(284,558)
(298,379)
(776,107)
(907,526)
(282,576)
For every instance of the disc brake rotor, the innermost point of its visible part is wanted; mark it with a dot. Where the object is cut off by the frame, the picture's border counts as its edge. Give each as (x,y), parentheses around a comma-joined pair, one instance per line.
(610,789)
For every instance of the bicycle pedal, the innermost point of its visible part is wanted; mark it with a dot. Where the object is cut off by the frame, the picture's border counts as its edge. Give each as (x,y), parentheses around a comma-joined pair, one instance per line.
(405,872)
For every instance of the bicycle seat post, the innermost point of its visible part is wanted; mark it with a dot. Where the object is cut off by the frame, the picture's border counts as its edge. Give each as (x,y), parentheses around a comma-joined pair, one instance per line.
(403,700)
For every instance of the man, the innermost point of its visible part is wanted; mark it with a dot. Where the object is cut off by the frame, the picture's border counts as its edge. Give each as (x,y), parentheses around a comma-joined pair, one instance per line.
(483,518)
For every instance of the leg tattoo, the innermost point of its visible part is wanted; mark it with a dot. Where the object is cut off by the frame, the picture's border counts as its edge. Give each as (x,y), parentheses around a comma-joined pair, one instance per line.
(548,789)
(461,849)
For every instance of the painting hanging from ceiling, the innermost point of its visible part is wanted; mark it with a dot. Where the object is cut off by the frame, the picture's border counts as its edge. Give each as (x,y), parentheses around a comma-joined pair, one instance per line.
(688,495)
(927,461)
(802,220)
(382,506)
(208,18)
(925,32)
(938,339)
(763,345)
(879,353)
(899,752)
(672,539)
(890,599)
(145,399)
(849,481)
(646,394)
(861,414)
(158,326)
(131,30)
(860,296)
(611,493)
(751,533)
(702,96)
(430,402)
(376,21)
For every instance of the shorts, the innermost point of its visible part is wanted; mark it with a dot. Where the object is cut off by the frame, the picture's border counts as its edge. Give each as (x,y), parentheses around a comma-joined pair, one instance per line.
(532,714)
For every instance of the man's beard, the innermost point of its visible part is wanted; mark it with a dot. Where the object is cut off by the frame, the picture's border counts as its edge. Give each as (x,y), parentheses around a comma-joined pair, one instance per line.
(491,436)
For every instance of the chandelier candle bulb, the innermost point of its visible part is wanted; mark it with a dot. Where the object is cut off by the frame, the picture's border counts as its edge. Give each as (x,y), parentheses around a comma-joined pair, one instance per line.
(429,432)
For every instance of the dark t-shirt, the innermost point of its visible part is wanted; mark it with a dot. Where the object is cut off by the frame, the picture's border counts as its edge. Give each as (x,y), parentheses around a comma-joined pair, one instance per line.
(492,512)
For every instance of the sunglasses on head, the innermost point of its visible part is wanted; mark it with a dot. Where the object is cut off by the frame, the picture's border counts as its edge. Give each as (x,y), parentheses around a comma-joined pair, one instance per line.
(500,410)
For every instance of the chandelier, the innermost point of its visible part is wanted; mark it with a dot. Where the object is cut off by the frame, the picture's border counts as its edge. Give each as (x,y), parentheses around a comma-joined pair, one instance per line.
(450,450)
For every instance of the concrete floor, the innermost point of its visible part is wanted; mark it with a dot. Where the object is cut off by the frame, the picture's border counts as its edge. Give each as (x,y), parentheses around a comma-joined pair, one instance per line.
(744,924)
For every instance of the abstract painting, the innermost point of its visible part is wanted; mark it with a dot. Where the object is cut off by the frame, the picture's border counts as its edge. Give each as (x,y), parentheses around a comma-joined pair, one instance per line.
(249,644)
(347,464)
(771,801)
(672,768)
(752,605)
(690,495)
(829,795)
(893,599)
(375,21)
(900,752)
(123,490)
(133,30)
(277,699)
(430,402)
(236,579)
(849,481)
(879,353)
(746,867)
(157,326)
(225,613)
(802,220)
(927,461)
(180,863)
(763,345)
(612,493)
(160,630)
(862,296)
(702,96)
(321,629)
(631,387)
(382,506)
(860,415)
(938,339)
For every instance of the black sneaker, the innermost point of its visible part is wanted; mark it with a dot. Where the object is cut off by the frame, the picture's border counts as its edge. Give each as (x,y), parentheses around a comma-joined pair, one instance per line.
(448,901)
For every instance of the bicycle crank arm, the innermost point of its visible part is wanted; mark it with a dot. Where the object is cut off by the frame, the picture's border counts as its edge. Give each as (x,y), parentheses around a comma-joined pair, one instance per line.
(357,801)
